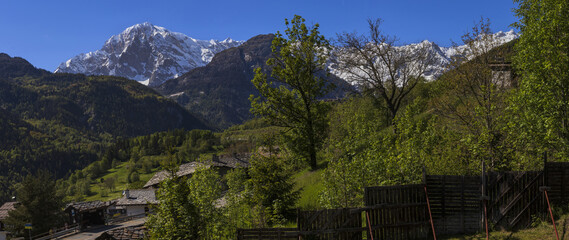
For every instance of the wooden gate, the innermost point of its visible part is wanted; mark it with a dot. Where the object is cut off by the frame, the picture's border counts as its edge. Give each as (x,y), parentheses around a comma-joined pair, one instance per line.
(455,203)
(515,198)
(397,212)
(341,224)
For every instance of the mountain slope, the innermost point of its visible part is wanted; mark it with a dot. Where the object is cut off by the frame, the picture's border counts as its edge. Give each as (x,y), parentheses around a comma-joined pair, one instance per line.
(61,122)
(146,53)
(220,91)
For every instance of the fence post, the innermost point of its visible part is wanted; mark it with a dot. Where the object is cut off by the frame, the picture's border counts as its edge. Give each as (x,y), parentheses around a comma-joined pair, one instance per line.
(544,189)
(430,215)
(424,175)
(483,186)
(298,223)
(484,201)
(369,224)
(545,169)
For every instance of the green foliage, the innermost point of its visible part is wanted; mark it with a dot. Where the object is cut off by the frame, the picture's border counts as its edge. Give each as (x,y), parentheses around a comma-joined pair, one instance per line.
(177,216)
(205,190)
(354,124)
(272,187)
(290,98)
(238,209)
(40,205)
(541,106)
(195,200)
(366,152)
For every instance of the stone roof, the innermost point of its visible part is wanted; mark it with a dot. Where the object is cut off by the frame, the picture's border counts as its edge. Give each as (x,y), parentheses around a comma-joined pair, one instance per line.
(183,170)
(5,208)
(87,206)
(126,233)
(138,197)
(229,161)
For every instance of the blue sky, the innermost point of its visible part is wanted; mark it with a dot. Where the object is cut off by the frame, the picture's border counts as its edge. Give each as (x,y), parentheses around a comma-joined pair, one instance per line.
(47,33)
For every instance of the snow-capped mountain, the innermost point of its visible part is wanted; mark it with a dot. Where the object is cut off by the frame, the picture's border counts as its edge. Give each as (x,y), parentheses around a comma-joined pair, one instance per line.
(441,56)
(147,53)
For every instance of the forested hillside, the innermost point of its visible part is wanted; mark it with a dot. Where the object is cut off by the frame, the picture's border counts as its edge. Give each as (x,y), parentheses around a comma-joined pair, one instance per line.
(123,163)
(62,122)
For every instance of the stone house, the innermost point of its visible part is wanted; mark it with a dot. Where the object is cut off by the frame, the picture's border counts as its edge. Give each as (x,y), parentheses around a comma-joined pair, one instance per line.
(88,213)
(136,201)
(4,210)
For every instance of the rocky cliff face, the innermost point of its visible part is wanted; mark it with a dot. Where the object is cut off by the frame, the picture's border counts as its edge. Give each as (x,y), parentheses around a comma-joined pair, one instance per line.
(147,53)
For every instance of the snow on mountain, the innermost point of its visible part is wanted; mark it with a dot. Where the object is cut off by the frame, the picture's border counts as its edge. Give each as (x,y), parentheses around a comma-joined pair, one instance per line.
(441,55)
(147,53)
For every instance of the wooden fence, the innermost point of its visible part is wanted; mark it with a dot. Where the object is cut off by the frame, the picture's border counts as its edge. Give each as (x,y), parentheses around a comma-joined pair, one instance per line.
(557,177)
(268,233)
(397,212)
(513,199)
(455,203)
(341,224)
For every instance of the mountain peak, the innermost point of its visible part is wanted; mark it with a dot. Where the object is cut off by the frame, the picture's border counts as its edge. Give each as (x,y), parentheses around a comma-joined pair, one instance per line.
(147,53)
(145,27)
(139,31)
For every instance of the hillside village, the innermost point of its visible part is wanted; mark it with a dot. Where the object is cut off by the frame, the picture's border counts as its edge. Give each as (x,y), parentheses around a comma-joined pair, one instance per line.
(134,203)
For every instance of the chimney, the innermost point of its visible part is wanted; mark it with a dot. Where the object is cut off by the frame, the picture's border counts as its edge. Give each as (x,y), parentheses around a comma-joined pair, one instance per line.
(126,193)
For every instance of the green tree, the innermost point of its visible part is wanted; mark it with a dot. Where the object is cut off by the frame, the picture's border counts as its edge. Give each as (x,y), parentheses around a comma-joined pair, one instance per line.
(542,103)
(290,98)
(109,183)
(238,210)
(205,190)
(354,124)
(272,187)
(40,205)
(177,216)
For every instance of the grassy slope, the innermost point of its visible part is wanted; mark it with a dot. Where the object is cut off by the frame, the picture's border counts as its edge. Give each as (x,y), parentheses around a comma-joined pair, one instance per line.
(310,185)
(120,173)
